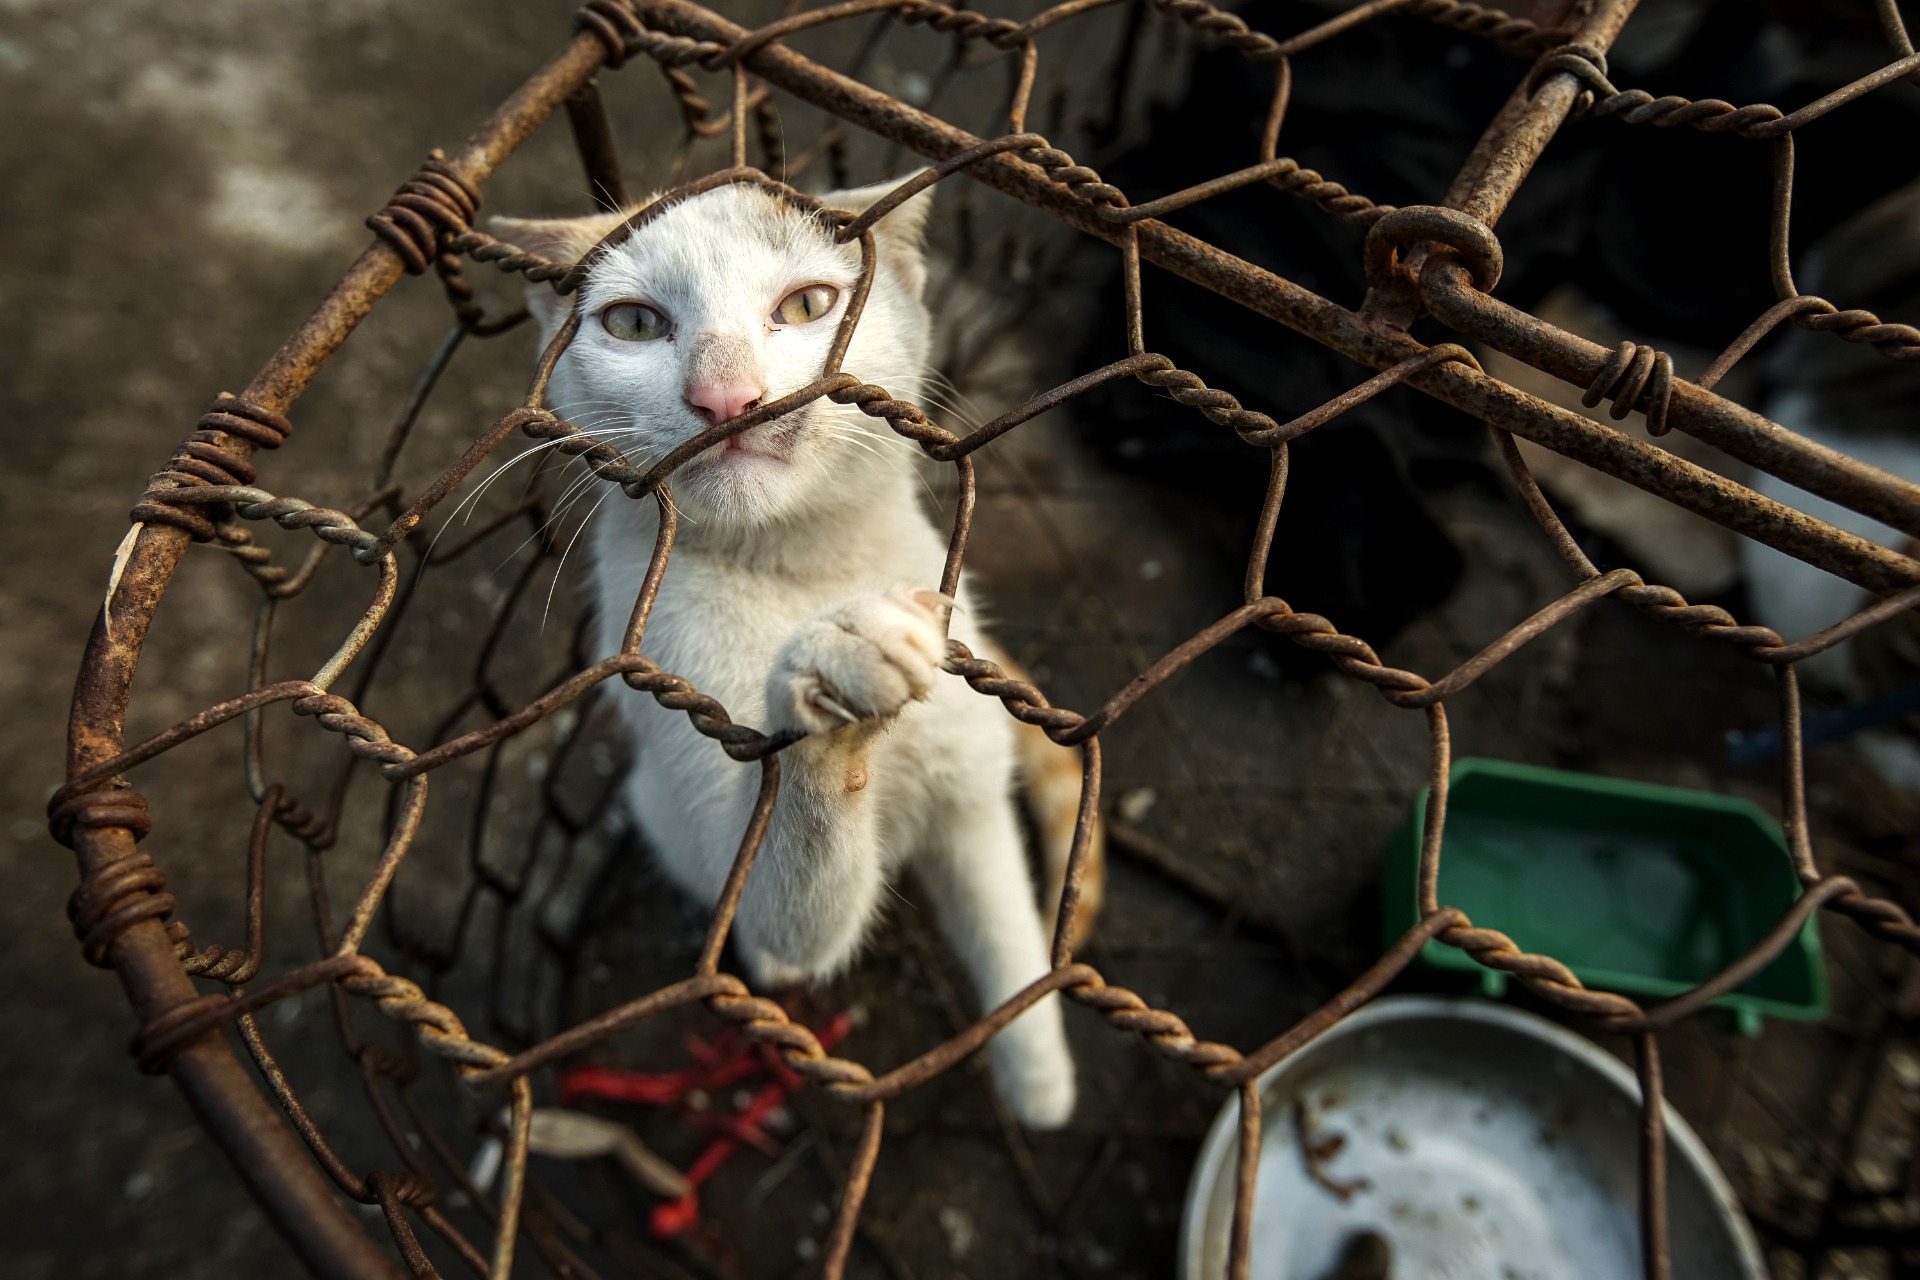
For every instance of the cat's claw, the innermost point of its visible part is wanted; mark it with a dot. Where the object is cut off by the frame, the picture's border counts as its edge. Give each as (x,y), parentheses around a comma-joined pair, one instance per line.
(862,660)
(826,702)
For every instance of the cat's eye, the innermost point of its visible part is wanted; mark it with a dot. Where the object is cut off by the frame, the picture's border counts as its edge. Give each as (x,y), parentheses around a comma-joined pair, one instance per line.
(806,304)
(634,322)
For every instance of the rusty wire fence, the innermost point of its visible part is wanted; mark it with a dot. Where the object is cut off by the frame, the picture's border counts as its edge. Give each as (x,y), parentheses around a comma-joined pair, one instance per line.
(1441,261)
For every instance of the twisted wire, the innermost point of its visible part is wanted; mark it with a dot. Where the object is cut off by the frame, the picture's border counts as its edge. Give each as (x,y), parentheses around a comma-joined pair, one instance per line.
(1517,35)
(620,31)
(435,203)
(601,458)
(509,258)
(964,24)
(705,712)
(1891,340)
(366,738)
(336,527)
(1709,115)
(121,892)
(1634,368)
(1884,919)
(1219,406)
(1330,196)
(1063,170)
(1514,34)
(207,457)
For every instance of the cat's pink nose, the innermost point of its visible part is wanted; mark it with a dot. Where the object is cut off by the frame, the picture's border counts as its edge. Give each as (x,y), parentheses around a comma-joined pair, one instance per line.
(723,401)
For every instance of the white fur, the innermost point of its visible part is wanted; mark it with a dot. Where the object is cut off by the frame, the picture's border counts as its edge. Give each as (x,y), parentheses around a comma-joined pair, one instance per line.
(798,594)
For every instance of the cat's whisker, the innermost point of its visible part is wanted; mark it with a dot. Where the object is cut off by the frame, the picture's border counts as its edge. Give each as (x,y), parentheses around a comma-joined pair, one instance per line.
(566,407)
(860,434)
(525,542)
(561,568)
(466,503)
(903,897)
(965,416)
(866,440)
(936,391)
(855,441)
(877,433)
(577,488)
(549,523)
(956,401)
(567,501)
(463,512)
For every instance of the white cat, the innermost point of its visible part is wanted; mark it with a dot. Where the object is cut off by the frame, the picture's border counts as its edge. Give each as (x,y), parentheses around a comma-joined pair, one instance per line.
(799,595)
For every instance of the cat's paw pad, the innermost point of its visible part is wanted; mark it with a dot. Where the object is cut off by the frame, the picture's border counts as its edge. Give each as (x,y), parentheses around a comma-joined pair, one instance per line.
(860,661)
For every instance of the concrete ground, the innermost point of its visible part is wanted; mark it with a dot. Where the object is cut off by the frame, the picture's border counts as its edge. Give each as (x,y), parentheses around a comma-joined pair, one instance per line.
(184,180)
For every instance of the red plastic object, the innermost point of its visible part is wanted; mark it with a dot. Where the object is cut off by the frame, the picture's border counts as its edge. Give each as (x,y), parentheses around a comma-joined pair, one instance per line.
(730,1060)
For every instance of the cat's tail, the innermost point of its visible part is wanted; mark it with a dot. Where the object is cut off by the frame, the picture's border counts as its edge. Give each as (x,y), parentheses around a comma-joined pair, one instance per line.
(1050,778)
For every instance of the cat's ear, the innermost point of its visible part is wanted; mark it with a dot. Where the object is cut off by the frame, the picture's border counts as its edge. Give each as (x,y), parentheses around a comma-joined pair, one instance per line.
(561,239)
(900,236)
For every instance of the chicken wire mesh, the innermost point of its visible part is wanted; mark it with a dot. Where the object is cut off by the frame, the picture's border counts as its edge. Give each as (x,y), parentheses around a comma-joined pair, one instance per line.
(1439,261)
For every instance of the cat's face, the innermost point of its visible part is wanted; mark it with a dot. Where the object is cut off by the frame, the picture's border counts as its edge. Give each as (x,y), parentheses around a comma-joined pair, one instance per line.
(726,300)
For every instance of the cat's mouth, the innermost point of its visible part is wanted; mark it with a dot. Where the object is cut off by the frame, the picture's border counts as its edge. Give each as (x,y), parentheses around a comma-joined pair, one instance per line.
(739,447)
(766,442)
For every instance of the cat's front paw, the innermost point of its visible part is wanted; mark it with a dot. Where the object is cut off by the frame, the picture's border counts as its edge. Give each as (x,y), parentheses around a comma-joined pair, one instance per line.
(862,660)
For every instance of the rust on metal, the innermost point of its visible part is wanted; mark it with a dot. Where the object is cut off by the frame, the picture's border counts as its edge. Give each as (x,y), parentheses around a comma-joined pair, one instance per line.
(1442,260)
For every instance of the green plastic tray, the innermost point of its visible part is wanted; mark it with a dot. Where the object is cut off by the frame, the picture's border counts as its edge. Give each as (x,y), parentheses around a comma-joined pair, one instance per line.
(1640,889)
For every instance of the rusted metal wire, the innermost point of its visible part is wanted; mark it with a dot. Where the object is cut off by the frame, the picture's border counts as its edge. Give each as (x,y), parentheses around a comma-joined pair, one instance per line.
(1441,259)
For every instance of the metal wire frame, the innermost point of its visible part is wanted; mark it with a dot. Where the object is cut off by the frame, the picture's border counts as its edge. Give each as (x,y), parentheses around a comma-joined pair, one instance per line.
(1441,260)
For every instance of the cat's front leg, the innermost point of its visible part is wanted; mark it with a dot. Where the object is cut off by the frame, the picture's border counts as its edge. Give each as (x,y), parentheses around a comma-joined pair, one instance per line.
(976,872)
(841,679)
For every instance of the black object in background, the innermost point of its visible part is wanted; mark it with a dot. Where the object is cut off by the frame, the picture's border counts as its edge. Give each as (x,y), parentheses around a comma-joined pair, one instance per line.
(1666,227)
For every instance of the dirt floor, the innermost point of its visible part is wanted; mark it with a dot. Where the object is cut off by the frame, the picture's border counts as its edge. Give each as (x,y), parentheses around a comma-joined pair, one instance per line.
(186,179)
